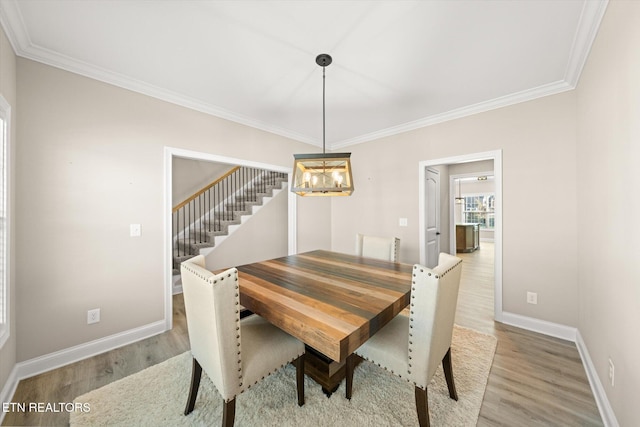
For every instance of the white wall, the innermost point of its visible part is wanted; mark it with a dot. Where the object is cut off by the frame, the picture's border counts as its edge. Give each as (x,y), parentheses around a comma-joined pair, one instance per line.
(608,188)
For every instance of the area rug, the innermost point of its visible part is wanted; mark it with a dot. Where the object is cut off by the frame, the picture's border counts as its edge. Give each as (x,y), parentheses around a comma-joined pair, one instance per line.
(157,396)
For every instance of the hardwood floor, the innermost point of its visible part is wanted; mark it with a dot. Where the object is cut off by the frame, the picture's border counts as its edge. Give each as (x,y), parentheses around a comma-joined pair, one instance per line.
(535,380)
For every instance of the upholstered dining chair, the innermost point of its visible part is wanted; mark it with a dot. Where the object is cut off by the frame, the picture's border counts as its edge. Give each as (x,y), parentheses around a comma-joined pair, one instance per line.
(234,353)
(385,248)
(411,347)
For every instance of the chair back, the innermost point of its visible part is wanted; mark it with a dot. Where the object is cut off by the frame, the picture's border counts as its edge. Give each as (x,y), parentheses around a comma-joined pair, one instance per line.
(434,296)
(212,309)
(385,248)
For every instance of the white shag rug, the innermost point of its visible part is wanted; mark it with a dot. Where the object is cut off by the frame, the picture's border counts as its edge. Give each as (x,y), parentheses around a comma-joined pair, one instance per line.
(157,396)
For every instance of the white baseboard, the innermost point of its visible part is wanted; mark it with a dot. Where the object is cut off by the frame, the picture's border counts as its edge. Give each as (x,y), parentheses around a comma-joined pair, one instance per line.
(541,326)
(9,389)
(50,361)
(606,411)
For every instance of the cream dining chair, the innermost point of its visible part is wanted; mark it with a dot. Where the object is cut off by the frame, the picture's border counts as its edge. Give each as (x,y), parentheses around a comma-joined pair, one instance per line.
(412,347)
(385,248)
(234,353)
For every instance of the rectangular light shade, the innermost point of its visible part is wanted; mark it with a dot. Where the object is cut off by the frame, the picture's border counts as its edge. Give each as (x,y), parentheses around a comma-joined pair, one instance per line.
(322,174)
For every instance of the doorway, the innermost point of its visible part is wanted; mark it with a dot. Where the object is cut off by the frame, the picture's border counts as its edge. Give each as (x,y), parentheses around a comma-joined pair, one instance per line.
(424,207)
(169,154)
(432,216)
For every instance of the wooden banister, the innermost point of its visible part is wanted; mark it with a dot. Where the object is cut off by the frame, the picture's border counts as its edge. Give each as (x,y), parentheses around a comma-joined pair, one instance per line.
(199,192)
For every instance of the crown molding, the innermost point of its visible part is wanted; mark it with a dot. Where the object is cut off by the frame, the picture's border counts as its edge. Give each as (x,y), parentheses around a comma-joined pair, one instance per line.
(13,24)
(53,59)
(503,101)
(588,25)
(590,19)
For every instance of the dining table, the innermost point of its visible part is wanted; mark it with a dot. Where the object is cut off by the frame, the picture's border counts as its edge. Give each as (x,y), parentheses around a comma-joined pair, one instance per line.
(331,301)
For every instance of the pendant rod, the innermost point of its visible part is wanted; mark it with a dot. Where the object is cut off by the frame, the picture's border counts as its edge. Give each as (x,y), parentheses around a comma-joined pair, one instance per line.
(323,119)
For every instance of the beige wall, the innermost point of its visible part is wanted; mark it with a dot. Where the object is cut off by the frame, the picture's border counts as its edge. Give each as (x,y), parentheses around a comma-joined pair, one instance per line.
(538,145)
(263,236)
(8,91)
(89,163)
(608,188)
(90,160)
(190,176)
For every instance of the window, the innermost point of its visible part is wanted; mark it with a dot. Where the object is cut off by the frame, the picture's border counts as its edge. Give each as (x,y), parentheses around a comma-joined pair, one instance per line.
(480,209)
(5,119)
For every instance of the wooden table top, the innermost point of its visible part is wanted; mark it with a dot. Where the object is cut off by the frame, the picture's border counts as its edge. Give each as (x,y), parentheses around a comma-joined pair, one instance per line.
(332,302)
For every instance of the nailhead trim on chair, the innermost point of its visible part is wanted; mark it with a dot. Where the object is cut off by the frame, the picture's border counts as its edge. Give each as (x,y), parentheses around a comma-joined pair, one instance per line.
(413,283)
(238,332)
(238,335)
(396,244)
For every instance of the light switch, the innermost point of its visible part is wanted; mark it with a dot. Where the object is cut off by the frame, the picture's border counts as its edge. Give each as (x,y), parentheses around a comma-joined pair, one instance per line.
(403,222)
(134,230)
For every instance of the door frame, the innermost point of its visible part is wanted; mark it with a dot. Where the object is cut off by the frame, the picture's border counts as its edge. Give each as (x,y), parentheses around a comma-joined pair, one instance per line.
(496,156)
(169,154)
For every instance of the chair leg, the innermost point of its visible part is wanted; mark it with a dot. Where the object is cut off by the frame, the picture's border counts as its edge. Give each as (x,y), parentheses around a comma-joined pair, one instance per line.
(422,407)
(229,413)
(299,364)
(448,374)
(196,374)
(350,367)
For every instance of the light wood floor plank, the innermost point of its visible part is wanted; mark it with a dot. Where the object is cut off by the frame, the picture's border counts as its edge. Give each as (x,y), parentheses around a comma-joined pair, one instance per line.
(535,380)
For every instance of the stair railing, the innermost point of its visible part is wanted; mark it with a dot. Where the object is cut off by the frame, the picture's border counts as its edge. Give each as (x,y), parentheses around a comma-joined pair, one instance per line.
(206,210)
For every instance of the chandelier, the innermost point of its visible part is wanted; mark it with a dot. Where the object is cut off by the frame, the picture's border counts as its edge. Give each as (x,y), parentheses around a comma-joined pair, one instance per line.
(322,174)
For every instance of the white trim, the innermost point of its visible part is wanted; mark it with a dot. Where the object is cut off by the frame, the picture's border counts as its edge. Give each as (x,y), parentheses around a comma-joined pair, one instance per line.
(551,329)
(293,219)
(590,19)
(606,411)
(492,104)
(9,389)
(572,334)
(198,155)
(587,28)
(170,152)
(5,324)
(496,156)
(74,354)
(168,239)
(11,20)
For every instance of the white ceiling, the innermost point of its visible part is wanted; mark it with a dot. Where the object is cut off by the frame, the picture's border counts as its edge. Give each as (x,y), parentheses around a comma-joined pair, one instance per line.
(397,65)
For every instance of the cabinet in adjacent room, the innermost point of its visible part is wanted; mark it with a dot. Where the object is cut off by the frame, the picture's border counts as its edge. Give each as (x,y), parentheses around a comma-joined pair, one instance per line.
(467,237)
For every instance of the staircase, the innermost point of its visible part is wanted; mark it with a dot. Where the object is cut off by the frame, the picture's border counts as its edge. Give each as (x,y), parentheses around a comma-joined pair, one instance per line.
(206,218)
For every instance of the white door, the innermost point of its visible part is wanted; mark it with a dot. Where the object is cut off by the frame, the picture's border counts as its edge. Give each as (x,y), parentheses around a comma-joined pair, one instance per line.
(432,220)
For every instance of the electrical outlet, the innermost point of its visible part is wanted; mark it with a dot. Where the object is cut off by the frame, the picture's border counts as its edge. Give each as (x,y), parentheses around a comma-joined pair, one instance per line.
(135,230)
(612,372)
(93,316)
(402,222)
(532,298)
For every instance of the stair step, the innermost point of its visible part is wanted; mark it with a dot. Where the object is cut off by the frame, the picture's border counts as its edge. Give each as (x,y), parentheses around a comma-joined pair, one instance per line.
(215,226)
(193,248)
(218,224)
(240,206)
